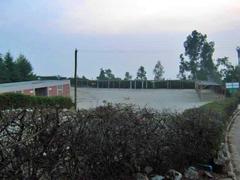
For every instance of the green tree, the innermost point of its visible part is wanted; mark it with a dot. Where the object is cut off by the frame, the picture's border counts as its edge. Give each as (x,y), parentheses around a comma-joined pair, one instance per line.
(207,67)
(158,71)
(193,46)
(106,75)
(183,68)
(109,74)
(198,60)
(236,74)
(127,76)
(101,75)
(11,70)
(83,78)
(233,75)
(24,69)
(141,74)
(3,75)
(225,69)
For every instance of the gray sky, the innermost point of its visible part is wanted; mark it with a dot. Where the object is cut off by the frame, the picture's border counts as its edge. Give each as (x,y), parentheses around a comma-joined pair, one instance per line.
(116,34)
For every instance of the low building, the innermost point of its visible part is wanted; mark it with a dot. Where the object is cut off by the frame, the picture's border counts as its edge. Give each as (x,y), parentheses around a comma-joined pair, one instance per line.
(38,88)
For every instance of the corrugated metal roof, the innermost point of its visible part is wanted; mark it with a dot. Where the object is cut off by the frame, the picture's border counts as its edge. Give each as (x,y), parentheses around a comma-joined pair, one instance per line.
(19,86)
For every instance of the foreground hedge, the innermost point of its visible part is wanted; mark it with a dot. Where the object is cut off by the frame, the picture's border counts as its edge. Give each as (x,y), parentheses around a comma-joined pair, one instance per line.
(109,142)
(14,100)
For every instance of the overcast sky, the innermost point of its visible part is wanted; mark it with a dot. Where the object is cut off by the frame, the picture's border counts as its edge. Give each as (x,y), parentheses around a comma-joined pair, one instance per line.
(116,34)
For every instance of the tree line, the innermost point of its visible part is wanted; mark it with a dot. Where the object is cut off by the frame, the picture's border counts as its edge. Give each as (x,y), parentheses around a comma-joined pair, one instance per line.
(15,70)
(106,74)
(195,63)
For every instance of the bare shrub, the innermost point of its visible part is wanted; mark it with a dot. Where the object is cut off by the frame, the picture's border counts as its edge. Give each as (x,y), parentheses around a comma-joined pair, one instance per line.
(109,142)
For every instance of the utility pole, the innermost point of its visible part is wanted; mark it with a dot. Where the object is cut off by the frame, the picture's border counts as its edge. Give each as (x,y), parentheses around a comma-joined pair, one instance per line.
(75,81)
(238,51)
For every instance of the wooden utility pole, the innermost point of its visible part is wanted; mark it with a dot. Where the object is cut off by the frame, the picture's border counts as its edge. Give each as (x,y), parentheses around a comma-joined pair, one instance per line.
(75,81)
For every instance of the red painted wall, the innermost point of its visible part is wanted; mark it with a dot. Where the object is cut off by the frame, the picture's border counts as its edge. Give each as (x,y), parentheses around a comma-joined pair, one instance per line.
(66,90)
(52,91)
(28,92)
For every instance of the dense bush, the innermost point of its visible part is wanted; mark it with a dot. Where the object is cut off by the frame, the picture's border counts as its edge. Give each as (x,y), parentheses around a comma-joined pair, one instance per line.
(15,100)
(202,132)
(109,142)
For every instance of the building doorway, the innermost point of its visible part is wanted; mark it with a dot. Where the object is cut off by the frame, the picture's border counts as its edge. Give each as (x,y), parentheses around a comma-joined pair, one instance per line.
(41,91)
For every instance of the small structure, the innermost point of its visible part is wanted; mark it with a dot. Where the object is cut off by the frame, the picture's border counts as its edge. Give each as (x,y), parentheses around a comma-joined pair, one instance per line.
(216,87)
(38,88)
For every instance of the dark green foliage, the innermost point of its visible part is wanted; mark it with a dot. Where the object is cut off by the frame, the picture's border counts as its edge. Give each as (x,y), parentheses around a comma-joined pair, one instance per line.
(198,61)
(84,78)
(101,75)
(12,100)
(109,74)
(15,70)
(11,70)
(127,76)
(106,75)
(225,68)
(183,68)
(158,71)
(141,74)
(226,71)
(236,74)
(202,132)
(24,69)
(3,71)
